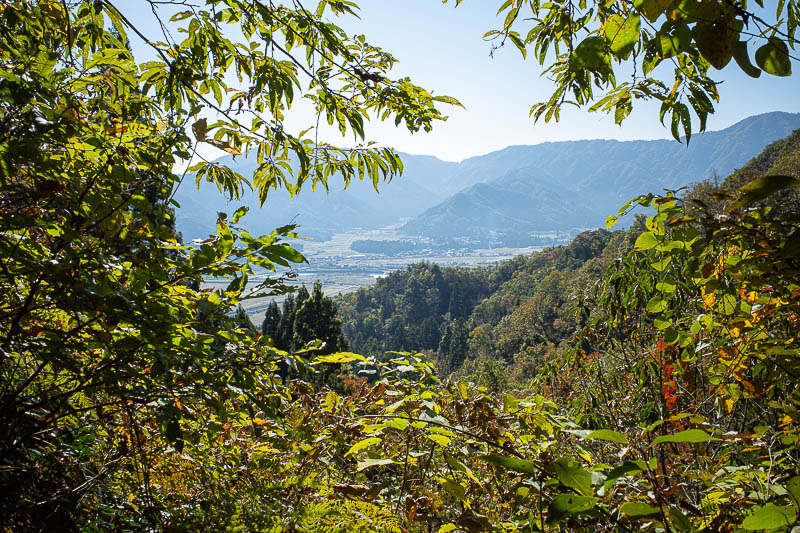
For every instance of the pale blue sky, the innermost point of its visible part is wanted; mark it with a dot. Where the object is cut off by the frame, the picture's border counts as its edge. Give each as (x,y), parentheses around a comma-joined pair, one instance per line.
(441,48)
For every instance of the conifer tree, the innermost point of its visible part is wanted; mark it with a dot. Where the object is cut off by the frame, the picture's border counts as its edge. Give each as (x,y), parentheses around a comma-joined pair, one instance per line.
(316,319)
(283,337)
(271,323)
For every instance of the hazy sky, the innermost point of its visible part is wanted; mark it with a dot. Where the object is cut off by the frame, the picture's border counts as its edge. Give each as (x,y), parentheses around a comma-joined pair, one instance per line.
(441,48)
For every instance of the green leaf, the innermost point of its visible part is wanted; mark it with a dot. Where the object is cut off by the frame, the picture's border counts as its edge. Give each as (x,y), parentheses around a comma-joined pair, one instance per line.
(726,304)
(239,213)
(510,463)
(607,435)
(628,467)
(645,241)
(573,475)
(174,434)
(689,435)
(770,517)
(773,58)
(635,510)
(793,488)
(510,403)
(743,60)
(453,487)
(565,505)
(714,43)
(611,221)
(679,520)
(591,53)
(622,34)
(656,305)
(653,9)
(673,38)
(369,441)
(761,188)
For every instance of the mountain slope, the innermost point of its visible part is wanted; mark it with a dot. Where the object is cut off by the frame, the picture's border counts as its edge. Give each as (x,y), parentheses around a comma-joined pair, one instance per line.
(318,214)
(514,192)
(589,179)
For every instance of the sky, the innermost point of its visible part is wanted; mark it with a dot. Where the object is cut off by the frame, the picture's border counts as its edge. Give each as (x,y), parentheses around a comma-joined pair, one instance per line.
(441,48)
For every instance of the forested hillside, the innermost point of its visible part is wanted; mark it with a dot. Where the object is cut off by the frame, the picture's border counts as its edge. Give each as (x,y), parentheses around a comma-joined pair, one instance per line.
(514,312)
(509,319)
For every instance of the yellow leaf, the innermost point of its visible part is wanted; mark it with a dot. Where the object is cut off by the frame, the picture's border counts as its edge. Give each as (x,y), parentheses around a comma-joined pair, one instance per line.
(439,439)
(708,298)
(223,146)
(729,402)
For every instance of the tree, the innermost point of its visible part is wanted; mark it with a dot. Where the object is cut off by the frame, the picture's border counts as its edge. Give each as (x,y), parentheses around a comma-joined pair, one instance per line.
(588,46)
(272,318)
(316,319)
(112,356)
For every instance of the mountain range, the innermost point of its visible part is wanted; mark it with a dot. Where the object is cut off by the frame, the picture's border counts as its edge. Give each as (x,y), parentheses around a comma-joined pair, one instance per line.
(507,195)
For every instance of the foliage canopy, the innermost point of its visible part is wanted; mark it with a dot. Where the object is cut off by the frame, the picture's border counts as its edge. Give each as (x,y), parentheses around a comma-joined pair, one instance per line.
(665,50)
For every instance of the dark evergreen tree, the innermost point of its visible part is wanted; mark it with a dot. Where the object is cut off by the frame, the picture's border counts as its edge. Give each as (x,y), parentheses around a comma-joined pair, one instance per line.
(459,344)
(316,319)
(242,321)
(285,333)
(272,319)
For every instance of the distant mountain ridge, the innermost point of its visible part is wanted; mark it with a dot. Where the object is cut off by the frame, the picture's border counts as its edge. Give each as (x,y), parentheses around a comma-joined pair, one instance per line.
(576,184)
(510,193)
